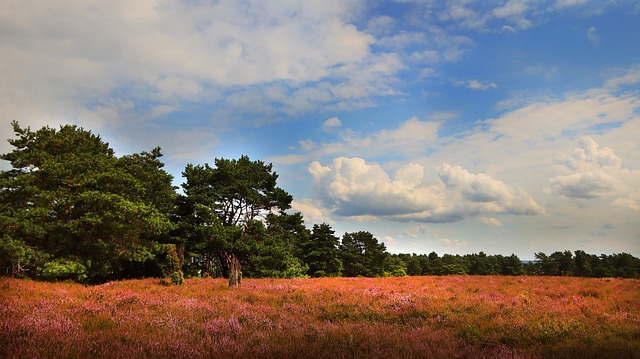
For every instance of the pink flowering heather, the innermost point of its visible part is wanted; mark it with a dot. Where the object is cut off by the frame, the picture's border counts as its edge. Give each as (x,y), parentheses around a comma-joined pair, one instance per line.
(410,317)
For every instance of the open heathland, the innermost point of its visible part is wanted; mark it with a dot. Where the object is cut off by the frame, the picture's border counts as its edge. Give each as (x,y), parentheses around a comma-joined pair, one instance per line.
(404,317)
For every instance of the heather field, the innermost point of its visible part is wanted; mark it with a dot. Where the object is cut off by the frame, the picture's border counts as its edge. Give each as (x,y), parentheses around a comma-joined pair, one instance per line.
(407,317)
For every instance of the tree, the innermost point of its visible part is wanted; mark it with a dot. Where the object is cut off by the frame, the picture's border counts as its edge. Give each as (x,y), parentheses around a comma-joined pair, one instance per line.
(221,204)
(583,264)
(482,264)
(394,266)
(70,209)
(271,256)
(564,261)
(434,264)
(453,265)
(362,255)
(320,252)
(546,265)
(278,256)
(511,265)
(414,267)
(626,265)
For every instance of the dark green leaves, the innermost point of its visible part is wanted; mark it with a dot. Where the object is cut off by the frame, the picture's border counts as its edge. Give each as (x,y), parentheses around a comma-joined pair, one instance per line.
(68,197)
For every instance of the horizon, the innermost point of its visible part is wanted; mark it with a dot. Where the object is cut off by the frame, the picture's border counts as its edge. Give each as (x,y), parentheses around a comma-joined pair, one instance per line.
(454,127)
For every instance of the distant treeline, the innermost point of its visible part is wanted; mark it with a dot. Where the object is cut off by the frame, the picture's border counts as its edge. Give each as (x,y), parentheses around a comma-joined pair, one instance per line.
(566,263)
(72,210)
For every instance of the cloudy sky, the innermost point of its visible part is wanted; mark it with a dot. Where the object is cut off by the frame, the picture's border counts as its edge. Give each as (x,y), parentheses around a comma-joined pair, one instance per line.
(455,126)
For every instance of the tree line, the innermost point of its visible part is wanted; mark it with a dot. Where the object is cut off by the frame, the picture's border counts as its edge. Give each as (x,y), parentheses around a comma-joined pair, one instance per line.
(70,209)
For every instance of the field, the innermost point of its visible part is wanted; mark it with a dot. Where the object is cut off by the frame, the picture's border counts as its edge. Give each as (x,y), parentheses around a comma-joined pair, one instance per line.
(409,317)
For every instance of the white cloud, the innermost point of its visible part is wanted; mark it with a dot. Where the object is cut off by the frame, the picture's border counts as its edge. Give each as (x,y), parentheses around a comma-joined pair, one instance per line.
(583,185)
(593,36)
(515,12)
(569,3)
(623,77)
(66,59)
(596,172)
(413,136)
(590,156)
(331,124)
(351,187)
(477,85)
(490,221)
(520,147)
(632,202)
(483,194)
(311,211)
(583,112)
(458,12)
(511,8)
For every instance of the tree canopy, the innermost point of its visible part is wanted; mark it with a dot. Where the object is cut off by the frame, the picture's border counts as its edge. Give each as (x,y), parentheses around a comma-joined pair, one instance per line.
(226,206)
(69,208)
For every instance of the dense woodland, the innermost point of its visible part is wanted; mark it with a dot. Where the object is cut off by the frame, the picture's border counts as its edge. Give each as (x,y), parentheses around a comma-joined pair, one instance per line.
(70,209)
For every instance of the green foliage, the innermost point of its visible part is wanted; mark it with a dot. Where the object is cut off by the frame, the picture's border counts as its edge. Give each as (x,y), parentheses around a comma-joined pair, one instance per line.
(67,196)
(172,267)
(320,253)
(271,254)
(221,212)
(394,266)
(585,265)
(362,255)
(62,268)
(15,256)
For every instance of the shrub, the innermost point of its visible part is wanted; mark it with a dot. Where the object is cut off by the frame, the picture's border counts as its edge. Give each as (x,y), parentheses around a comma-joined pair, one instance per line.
(63,269)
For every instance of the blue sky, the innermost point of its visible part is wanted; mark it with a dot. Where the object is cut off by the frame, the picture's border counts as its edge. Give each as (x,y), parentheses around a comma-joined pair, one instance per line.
(449,126)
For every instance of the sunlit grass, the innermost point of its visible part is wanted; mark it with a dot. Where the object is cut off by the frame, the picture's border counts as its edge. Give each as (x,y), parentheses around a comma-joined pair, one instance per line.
(433,317)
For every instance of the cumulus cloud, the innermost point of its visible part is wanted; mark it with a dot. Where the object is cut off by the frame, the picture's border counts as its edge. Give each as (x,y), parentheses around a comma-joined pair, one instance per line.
(593,170)
(351,187)
(311,211)
(481,193)
(590,156)
(583,185)
(596,172)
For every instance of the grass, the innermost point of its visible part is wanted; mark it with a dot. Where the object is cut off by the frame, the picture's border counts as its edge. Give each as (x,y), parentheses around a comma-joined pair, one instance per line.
(419,317)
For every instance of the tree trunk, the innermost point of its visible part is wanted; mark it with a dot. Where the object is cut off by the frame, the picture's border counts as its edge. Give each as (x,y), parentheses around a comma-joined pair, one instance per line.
(235,275)
(180,248)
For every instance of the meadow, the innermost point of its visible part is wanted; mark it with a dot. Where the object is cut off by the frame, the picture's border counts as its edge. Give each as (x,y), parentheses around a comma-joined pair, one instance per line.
(404,317)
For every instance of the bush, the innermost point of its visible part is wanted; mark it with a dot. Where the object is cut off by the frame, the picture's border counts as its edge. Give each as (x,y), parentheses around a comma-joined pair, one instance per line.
(172,267)
(63,269)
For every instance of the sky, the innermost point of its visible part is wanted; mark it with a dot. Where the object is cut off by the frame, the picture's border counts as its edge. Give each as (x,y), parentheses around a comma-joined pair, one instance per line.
(454,126)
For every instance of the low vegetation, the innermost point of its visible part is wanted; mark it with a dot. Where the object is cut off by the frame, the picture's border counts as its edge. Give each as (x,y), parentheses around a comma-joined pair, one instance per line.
(402,317)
